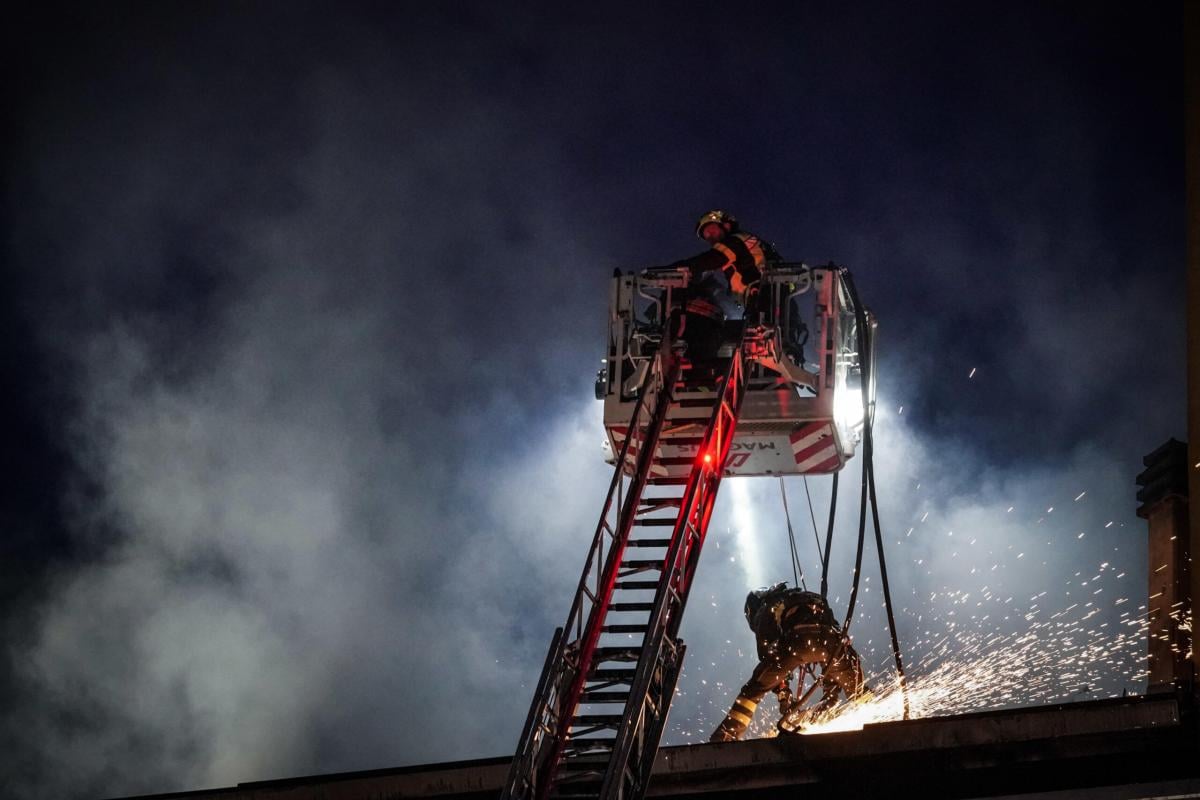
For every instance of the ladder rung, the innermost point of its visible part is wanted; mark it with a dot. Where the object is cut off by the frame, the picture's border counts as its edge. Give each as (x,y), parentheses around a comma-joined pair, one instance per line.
(610,674)
(648,543)
(625,628)
(658,502)
(681,441)
(675,461)
(604,697)
(655,522)
(591,743)
(596,719)
(668,481)
(650,503)
(616,654)
(584,764)
(637,584)
(596,760)
(577,786)
(689,416)
(630,606)
(642,563)
(702,400)
(583,760)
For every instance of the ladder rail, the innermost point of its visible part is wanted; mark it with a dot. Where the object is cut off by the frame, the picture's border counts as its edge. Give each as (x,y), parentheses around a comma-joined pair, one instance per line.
(528,733)
(626,516)
(532,768)
(557,728)
(671,597)
(521,781)
(614,490)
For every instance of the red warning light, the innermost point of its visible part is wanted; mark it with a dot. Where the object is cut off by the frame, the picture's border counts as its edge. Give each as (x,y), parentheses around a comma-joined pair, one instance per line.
(708,458)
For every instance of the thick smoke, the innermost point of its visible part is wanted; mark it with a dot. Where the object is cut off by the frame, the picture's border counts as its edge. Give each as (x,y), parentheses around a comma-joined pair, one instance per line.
(324,508)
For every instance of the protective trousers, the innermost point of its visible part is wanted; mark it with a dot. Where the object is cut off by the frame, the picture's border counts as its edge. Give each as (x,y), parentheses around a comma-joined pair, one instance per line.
(702,328)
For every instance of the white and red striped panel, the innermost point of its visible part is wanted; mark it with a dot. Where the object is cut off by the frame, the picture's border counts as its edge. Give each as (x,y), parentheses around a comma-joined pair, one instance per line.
(815,448)
(619,433)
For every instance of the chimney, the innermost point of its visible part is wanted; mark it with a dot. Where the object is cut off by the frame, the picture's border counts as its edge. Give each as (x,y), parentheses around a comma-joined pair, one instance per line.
(1164,506)
(1191,25)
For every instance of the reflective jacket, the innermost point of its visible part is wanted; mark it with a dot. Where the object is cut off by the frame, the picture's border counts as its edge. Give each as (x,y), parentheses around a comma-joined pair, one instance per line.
(739,256)
(792,613)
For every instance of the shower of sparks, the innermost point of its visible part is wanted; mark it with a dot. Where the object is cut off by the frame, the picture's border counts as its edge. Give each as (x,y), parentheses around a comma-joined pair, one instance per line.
(969,646)
(958,669)
(1054,660)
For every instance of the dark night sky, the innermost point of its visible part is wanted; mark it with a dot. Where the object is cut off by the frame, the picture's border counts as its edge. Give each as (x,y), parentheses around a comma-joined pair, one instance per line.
(303,304)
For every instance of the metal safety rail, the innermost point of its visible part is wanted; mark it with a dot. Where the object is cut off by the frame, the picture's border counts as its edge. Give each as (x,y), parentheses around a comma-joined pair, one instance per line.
(601,703)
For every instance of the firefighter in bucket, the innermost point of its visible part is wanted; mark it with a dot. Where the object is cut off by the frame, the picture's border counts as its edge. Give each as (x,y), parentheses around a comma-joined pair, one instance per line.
(727,274)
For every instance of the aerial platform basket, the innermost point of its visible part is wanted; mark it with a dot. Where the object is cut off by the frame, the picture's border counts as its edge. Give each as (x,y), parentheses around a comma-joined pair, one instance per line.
(803,408)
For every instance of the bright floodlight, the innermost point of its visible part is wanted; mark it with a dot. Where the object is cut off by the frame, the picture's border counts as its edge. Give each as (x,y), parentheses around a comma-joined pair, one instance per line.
(848,408)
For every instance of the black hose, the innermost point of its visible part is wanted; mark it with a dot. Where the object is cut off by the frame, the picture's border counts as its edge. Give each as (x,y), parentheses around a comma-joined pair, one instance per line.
(862,535)
(887,598)
(867,382)
(860,344)
(829,537)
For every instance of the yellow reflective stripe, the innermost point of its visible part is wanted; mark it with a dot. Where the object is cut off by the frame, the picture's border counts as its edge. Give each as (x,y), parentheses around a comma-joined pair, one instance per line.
(738,716)
(730,256)
(754,246)
(747,703)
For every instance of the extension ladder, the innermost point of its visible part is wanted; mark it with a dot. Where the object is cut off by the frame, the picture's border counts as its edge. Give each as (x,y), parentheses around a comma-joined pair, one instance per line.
(601,703)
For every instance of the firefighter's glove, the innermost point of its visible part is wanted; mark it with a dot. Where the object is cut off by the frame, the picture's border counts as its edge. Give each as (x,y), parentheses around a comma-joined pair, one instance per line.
(784,695)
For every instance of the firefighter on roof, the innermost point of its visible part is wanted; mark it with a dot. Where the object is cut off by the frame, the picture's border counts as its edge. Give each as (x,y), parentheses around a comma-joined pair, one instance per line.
(739,258)
(794,628)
